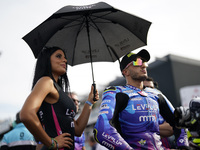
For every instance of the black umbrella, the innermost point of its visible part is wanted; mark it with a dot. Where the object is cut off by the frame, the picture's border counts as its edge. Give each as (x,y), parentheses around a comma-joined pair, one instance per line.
(90,33)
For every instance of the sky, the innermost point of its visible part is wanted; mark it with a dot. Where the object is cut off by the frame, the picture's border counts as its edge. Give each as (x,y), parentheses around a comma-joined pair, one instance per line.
(174,30)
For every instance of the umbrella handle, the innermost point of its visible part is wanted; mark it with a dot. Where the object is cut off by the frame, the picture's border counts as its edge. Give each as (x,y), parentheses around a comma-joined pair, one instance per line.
(94,91)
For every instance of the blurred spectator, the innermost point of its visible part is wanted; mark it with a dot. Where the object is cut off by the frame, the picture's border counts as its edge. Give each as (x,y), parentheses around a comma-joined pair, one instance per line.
(19,138)
(149,82)
(79,141)
(92,143)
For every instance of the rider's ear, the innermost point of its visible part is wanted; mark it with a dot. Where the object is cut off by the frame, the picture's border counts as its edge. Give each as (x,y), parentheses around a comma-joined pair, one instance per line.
(125,72)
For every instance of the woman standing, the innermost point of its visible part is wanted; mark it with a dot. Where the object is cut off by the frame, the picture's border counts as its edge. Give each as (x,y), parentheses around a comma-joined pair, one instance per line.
(48,112)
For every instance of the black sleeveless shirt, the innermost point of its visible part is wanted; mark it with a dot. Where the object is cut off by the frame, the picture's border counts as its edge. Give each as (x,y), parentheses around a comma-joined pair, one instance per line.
(58,118)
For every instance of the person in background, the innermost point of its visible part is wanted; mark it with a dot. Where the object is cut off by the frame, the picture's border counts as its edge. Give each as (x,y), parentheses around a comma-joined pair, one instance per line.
(79,141)
(19,138)
(92,143)
(150,83)
(48,111)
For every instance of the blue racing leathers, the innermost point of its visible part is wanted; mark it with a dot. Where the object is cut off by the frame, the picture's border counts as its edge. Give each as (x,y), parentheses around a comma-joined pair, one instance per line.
(139,120)
(167,112)
(165,106)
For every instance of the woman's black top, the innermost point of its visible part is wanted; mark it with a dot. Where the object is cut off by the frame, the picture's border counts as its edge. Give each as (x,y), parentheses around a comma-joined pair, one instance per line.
(58,118)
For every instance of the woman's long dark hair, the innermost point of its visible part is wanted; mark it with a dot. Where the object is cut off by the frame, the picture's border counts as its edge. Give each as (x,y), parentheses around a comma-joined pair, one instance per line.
(43,68)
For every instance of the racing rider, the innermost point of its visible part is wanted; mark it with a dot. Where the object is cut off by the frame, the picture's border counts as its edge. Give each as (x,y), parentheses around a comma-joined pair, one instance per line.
(129,117)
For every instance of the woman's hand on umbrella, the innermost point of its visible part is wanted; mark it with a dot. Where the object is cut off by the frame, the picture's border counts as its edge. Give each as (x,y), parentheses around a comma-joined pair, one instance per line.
(94,94)
(64,140)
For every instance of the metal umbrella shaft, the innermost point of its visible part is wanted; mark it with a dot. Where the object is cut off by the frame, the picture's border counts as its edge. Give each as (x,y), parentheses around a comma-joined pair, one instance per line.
(90,50)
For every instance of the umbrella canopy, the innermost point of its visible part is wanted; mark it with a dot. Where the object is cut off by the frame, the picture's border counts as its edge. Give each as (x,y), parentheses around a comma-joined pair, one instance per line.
(90,33)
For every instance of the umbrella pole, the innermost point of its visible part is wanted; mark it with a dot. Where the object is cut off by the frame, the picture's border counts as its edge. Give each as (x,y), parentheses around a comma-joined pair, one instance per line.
(88,33)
